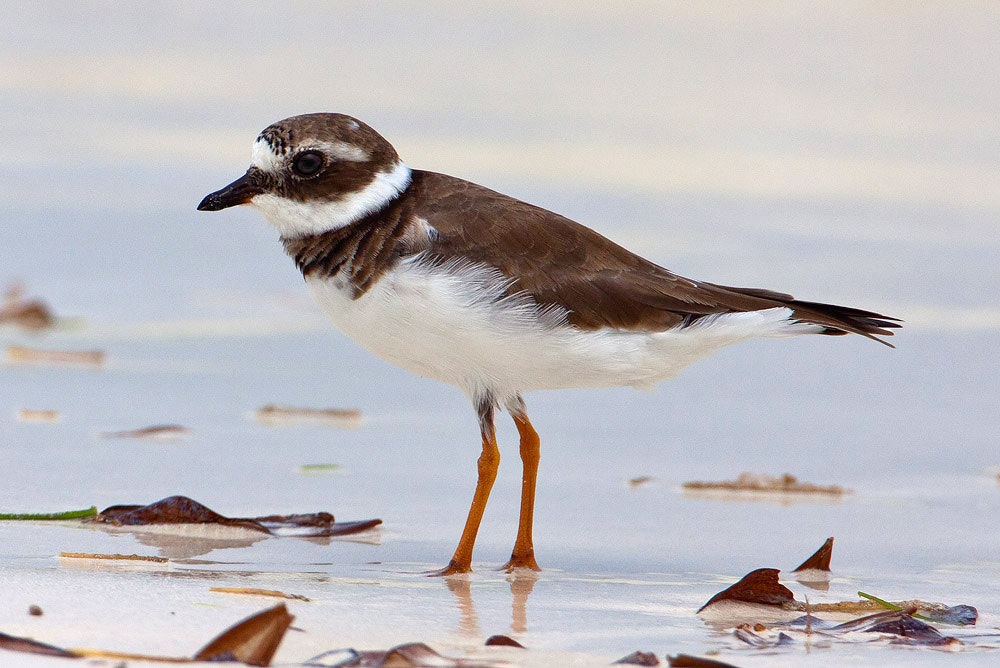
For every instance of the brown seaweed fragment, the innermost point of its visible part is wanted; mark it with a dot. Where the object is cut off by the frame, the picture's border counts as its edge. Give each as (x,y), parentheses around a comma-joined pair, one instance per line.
(760,586)
(172,510)
(29,646)
(159,432)
(409,655)
(184,510)
(30,314)
(258,592)
(112,557)
(901,623)
(502,641)
(961,614)
(756,482)
(274,415)
(820,560)
(252,641)
(38,415)
(688,661)
(639,659)
(24,355)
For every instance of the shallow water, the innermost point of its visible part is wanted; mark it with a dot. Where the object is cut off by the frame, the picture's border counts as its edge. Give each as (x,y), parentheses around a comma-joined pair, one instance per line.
(850,166)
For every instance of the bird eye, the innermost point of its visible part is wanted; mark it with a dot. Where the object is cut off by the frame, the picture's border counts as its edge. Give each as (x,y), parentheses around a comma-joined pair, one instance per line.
(308,163)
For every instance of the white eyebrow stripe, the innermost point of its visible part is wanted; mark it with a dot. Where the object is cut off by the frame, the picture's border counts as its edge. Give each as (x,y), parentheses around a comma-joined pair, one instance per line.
(341,150)
(264,157)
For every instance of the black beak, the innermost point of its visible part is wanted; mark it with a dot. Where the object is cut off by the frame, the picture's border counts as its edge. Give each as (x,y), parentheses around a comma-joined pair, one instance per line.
(238,192)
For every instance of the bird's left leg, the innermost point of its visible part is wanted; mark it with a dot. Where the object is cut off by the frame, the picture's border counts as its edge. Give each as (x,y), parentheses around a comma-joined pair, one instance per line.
(523,555)
(488,463)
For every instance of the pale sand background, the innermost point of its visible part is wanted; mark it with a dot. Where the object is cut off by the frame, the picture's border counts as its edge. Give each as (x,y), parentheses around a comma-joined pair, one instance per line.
(846,152)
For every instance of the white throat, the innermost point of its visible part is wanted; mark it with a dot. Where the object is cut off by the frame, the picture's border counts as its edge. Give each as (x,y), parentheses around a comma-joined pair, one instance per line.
(299,219)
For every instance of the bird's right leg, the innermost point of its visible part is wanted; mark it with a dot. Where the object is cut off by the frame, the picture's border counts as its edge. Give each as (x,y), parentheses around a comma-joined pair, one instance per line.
(489,462)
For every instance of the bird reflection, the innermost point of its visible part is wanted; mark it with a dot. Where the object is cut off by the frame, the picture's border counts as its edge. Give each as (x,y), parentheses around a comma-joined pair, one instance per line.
(522,583)
(468,620)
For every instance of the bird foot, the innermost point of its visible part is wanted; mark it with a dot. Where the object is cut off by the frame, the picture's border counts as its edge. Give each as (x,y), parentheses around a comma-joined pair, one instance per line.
(520,562)
(451,569)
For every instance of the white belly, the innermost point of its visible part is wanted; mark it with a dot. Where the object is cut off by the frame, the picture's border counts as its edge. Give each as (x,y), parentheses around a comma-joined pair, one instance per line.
(451,323)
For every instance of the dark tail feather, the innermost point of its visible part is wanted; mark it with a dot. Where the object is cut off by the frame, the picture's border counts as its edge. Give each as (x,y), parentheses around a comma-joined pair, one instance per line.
(839,320)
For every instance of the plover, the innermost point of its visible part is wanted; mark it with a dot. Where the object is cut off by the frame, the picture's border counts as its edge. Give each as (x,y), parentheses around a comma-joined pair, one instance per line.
(456,282)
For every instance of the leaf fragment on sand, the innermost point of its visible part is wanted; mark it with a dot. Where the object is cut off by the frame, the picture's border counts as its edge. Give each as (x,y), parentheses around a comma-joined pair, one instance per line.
(753,482)
(900,623)
(113,557)
(24,355)
(760,586)
(274,415)
(688,661)
(31,314)
(258,592)
(29,646)
(36,415)
(502,641)
(748,635)
(820,560)
(183,510)
(67,515)
(409,655)
(639,659)
(252,641)
(160,432)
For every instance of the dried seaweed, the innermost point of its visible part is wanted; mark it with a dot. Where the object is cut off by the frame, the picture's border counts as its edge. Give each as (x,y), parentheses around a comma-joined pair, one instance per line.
(252,641)
(760,586)
(502,641)
(688,661)
(160,432)
(409,655)
(274,415)
(639,659)
(29,646)
(113,557)
(755,482)
(36,415)
(183,510)
(24,355)
(959,615)
(258,592)
(820,560)
(30,314)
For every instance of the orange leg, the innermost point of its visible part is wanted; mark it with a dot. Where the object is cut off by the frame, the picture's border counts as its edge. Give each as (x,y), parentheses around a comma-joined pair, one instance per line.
(489,462)
(523,555)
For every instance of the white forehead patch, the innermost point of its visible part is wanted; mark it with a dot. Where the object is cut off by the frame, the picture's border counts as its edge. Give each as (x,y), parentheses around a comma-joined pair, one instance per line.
(264,158)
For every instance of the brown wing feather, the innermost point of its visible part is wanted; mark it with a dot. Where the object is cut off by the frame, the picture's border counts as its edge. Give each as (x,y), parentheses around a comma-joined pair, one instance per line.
(600,283)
